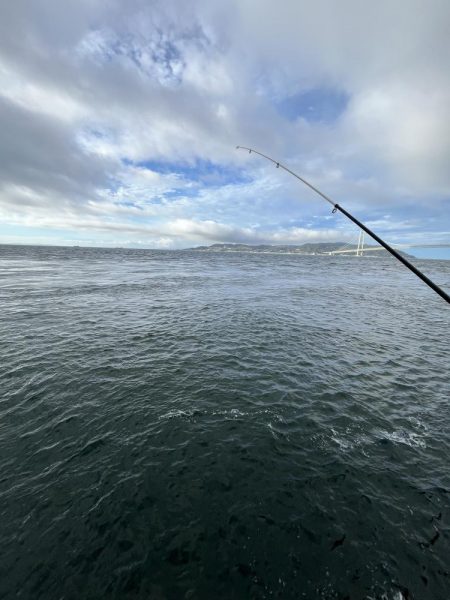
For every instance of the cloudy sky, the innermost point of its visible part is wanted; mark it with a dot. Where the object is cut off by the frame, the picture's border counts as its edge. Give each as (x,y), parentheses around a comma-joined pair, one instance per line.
(119,120)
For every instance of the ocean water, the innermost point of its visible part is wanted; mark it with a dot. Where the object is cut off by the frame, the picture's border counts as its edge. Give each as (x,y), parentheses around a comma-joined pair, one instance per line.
(222,426)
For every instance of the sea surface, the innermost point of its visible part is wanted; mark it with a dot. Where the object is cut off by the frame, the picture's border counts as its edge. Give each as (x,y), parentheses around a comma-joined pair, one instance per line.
(183,425)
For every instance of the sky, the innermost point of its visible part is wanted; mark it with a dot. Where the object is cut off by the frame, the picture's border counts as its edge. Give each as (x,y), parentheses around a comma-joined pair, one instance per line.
(119,121)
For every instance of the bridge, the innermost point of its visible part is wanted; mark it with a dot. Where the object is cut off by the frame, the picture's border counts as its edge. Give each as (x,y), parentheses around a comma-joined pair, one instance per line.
(362,249)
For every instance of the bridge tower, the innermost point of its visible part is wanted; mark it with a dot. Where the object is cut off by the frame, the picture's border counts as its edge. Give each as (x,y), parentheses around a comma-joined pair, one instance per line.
(360,248)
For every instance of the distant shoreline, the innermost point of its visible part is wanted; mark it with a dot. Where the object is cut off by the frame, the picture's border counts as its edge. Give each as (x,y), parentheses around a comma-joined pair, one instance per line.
(309,249)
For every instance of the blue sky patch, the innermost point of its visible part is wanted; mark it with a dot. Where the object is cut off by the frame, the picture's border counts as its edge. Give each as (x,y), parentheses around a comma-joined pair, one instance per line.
(316,105)
(203,171)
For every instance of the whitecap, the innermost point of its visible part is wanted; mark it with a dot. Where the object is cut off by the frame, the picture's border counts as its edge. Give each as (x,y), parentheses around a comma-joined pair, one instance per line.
(414,440)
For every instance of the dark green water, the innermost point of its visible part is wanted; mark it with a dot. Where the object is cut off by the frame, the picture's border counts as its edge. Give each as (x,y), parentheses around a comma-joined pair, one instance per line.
(180,425)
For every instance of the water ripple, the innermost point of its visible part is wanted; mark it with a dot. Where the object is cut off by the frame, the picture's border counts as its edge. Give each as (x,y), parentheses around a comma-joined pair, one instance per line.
(182,425)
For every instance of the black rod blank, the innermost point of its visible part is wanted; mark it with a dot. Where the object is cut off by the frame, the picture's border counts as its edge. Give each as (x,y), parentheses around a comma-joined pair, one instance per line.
(373,235)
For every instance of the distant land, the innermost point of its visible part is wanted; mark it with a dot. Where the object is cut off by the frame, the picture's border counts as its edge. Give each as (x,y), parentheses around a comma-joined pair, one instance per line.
(306,249)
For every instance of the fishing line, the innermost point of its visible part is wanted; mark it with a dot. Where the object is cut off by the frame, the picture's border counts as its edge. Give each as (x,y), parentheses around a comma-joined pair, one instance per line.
(373,235)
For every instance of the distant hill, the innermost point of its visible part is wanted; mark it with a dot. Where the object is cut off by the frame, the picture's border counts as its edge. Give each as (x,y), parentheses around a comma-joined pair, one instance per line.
(303,249)
(307,249)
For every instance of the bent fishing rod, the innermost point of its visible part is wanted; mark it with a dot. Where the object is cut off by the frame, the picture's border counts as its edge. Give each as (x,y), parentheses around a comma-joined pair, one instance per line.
(373,235)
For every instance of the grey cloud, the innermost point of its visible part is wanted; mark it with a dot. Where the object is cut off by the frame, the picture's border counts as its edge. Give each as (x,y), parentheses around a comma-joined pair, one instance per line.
(40,153)
(126,98)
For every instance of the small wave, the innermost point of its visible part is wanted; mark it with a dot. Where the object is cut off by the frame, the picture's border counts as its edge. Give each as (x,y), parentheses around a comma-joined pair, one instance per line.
(179,414)
(348,439)
(414,440)
(234,413)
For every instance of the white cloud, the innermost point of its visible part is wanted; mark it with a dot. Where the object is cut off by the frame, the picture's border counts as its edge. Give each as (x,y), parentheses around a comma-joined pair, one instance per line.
(409,129)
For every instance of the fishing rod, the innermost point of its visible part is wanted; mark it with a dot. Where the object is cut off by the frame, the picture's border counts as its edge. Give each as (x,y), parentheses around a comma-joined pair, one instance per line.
(373,235)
